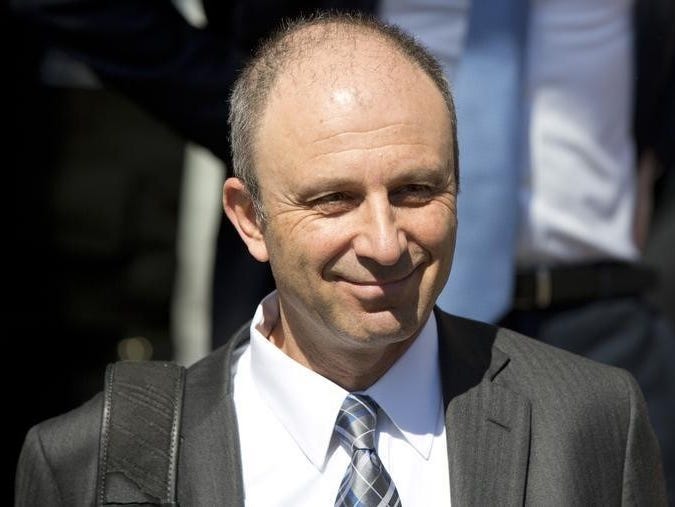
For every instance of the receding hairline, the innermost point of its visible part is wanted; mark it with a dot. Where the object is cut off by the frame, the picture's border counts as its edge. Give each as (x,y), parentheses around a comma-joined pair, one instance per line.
(306,39)
(335,36)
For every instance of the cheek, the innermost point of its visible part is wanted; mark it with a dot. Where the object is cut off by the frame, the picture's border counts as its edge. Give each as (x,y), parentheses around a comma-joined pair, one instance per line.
(302,252)
(434,229)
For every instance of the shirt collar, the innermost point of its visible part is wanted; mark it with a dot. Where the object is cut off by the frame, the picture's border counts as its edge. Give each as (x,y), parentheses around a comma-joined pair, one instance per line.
(409,393)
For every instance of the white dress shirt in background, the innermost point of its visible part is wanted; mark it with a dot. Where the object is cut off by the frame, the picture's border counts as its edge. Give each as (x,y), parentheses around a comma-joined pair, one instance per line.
(286,416)
(578,196)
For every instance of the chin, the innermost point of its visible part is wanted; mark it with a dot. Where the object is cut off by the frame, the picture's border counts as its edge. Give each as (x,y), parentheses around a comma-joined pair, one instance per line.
(385,327)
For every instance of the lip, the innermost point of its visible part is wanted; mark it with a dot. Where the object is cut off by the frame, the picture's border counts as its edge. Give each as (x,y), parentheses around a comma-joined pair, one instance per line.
(378,283)
(371,289)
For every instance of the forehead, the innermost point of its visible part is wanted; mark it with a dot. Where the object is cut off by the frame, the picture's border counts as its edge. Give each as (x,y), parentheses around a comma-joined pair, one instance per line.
(359,96)
(340,71)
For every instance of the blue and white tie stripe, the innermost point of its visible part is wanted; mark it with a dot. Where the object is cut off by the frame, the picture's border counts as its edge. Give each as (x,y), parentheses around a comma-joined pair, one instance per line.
(366,482)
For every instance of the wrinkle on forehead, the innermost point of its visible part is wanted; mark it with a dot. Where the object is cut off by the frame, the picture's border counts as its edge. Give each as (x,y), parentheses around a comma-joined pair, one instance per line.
(365,148)
(343,135)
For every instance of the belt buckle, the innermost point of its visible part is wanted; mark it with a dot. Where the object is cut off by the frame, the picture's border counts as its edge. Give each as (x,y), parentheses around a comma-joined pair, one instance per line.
(543,288)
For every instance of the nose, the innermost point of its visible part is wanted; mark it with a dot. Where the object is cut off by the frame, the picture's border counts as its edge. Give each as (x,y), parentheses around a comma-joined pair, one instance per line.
(380,237)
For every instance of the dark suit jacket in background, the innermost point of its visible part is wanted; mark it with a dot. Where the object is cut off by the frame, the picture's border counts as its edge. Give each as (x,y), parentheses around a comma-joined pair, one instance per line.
(526,424)
(148,51)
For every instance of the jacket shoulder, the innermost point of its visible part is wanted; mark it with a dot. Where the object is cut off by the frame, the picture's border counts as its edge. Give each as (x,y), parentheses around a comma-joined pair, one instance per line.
(533,364)
(537,364)
(58,460)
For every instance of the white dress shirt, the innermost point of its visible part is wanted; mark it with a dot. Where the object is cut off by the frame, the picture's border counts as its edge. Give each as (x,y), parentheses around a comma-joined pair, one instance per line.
(286,416)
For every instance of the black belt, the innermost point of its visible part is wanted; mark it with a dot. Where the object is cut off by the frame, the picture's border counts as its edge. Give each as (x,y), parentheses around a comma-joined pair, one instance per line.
(541,288)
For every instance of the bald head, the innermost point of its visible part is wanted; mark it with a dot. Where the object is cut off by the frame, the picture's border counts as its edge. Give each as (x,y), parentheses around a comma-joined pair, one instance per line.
(335,52)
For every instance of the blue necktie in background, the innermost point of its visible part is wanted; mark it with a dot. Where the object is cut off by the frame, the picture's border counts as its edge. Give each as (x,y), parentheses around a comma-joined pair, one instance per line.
(488,95)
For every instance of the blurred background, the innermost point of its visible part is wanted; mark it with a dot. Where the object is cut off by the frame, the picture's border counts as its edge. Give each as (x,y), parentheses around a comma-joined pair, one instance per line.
(105,209)
(112,220)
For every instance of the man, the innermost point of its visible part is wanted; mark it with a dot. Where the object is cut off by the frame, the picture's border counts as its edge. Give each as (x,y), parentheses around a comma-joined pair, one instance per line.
(344,142)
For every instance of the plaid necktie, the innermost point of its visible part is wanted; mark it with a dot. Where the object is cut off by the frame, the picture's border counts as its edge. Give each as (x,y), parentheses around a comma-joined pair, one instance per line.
(366,482)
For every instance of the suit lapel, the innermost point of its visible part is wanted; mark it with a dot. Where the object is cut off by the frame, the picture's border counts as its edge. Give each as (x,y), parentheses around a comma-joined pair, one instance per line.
(487,424)
(210,461)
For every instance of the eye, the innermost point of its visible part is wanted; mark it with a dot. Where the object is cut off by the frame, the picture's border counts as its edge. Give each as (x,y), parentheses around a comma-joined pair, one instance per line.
(411,195)
(334,203)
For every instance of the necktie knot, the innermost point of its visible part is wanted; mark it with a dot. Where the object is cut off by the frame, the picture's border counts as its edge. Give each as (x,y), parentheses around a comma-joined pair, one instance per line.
(366,482)
(356,422)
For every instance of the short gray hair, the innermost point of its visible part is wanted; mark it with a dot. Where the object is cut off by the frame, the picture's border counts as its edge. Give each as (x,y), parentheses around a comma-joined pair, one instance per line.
(251,90)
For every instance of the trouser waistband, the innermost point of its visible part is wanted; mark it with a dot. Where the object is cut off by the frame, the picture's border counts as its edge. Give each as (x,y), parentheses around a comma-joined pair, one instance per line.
(545,287)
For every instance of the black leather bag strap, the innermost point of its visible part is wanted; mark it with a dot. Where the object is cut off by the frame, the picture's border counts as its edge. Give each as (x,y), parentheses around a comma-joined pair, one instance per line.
(140,428)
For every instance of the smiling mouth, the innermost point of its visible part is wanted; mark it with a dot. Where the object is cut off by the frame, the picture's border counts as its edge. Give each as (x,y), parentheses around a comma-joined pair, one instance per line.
(385,282)
(378,283)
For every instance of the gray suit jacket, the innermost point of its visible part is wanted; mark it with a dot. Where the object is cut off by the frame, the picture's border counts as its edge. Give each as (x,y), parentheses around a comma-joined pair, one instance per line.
(526,424)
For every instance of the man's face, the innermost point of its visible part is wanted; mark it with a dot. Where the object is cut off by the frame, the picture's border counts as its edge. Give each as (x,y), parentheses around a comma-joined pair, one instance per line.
(357,185)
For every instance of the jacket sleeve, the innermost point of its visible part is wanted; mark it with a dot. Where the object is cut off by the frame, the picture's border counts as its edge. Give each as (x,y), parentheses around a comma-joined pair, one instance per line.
(148,51)
(643,480)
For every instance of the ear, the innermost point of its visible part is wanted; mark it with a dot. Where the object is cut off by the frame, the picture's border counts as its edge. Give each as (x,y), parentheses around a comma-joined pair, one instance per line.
(240,210)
